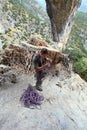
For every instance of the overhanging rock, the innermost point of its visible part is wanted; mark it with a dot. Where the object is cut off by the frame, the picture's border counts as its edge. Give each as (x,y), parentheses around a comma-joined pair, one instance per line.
(61,14)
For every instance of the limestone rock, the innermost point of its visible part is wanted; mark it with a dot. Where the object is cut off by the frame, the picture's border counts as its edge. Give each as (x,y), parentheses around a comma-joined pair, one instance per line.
(4,68)
(61,14)
(22,55)
(7,75)
(38,42)
(64,106)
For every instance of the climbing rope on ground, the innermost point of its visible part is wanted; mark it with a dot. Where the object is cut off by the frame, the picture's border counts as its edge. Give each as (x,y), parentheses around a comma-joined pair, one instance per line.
(31,97)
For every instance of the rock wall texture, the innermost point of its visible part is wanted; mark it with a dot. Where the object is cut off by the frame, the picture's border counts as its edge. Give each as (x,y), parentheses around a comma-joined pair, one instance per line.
(61,13)
(22,55)
(64,106)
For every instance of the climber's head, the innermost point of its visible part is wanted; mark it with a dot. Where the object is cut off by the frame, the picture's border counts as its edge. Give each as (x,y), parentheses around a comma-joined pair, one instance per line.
(44,52)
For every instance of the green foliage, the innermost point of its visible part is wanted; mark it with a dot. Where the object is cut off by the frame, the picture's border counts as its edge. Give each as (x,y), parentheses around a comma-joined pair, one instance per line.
(79,59)
(81,67)
(5,8)
(81,17)
(20,5)
(4,46)
(75,48)
(14,1)
(25,21)
(7,31)
(48,40)
(75,53)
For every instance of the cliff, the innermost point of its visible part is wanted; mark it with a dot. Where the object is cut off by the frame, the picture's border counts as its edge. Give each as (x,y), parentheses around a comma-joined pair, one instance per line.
(61,14)
(65,99)
(65,93)
(20,21)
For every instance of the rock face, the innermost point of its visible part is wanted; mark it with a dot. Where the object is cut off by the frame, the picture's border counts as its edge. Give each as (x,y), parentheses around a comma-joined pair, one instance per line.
(65,94)
(22,55)
(64,106)
(15,28)
(7,75)
(61,13)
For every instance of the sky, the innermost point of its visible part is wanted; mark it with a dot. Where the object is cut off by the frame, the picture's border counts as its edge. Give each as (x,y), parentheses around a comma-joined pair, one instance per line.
(82,8)
(42,3)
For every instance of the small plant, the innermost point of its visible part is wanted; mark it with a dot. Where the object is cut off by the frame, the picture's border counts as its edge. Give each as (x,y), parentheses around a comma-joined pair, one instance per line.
(4,46)
(5,8)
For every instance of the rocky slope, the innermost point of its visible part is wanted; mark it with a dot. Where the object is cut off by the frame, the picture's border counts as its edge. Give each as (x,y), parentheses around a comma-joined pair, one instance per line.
(65,93)
(64,106)
(19,24)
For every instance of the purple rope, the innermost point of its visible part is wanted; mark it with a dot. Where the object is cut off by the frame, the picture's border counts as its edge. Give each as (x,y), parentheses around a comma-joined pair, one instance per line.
(31,97)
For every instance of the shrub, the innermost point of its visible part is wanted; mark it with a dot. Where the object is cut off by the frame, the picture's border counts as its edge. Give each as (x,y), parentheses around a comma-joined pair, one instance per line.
(80,67)
(4,46)
(75,48)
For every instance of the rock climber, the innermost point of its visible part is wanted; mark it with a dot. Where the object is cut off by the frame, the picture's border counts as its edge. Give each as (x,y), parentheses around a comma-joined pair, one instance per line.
(41,62)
